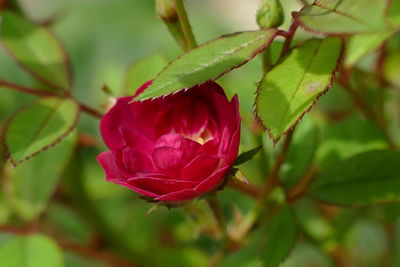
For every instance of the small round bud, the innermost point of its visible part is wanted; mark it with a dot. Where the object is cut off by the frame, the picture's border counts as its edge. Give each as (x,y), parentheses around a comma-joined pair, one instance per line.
(166,10)
(270,14)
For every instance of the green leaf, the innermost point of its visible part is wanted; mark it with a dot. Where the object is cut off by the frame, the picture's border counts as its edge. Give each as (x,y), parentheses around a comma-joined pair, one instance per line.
(393,13)
(344,16)
(30,251)
(36,50)
(281,237)
(391,68)
(32,184)
(364,179)
(143,71)
(208,62)
(360,45)
(291,88)
(39,126)
(246,156)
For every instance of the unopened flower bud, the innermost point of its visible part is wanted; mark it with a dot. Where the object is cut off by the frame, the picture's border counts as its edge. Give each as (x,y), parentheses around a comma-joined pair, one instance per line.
(270,14)
(166,10)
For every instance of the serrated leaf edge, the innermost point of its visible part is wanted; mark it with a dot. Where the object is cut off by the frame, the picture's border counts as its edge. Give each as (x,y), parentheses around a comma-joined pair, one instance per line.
(273,35)
(44,148)
(267,129)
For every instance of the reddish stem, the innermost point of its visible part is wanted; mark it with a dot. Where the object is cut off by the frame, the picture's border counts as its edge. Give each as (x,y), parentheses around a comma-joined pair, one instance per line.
(42,93)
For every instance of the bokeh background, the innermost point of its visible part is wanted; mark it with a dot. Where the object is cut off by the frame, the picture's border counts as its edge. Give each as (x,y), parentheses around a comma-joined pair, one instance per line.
(104,38)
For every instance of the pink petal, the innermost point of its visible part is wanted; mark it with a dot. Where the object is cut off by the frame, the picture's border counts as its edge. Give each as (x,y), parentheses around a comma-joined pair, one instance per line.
(212,181)
(234,147)
(170,140)
(111,122)
(190,115)
(167,160)
(189,149)
(136,139)
(183,195)
(161,186)
(135,161)
(107,161)
(200,167)
(137,189)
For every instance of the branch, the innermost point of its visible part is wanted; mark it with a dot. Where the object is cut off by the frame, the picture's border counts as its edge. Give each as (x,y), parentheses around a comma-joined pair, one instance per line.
(186,29)
(42,93)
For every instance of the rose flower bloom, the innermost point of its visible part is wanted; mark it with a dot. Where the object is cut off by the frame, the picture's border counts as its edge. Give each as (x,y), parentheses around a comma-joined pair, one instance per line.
(172,148)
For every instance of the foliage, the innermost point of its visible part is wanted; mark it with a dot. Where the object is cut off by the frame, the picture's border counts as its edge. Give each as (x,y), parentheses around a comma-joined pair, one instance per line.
(317,182)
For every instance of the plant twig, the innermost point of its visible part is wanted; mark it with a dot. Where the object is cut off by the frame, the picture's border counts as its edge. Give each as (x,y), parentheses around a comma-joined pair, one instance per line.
(273,176)
(249,190)
(42,93)
(186,28)
(301,187)
(215,207)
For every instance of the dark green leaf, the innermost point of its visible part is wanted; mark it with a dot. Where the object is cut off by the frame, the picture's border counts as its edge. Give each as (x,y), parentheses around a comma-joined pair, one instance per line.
(281,237)
(290,89)
(246,156)
(364,179)
(36,50)
(344,16)
(208,62)
(30,251)
(39,126)
(32,184)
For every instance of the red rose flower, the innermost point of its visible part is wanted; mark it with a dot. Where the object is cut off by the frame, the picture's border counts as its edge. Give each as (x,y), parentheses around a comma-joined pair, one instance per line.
(172,148)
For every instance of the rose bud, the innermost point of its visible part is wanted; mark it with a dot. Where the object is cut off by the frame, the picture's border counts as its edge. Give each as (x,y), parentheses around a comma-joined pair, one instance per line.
(173,148)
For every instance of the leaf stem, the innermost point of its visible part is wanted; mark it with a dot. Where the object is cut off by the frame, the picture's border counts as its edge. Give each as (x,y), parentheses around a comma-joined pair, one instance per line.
(42,93)
(186,28)
(289,37)
(215,207)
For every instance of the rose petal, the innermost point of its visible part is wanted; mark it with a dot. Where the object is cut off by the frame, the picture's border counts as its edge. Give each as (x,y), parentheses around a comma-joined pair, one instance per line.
(212,181)
(200,167)
(135,161)
(137,189)
(167,160)
(107,161)
(136,139)
(169,140)
(161,186)
(183,195)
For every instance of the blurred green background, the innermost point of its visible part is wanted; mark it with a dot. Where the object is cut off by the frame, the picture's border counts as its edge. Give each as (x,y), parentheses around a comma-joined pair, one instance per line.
(104,38)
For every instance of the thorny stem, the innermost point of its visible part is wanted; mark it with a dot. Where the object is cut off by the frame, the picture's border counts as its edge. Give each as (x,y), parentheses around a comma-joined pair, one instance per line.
(186,28)
(41,93)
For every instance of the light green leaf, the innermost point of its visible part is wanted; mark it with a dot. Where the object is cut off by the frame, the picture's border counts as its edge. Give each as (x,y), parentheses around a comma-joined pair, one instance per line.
(367,178)
(32,184)
(360,45)
(36,50)
(143,71)
(344,16)
(290,89)
(39,126)
(391,68)
(393,14)
(208,62)
(281,237)
(30,251)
